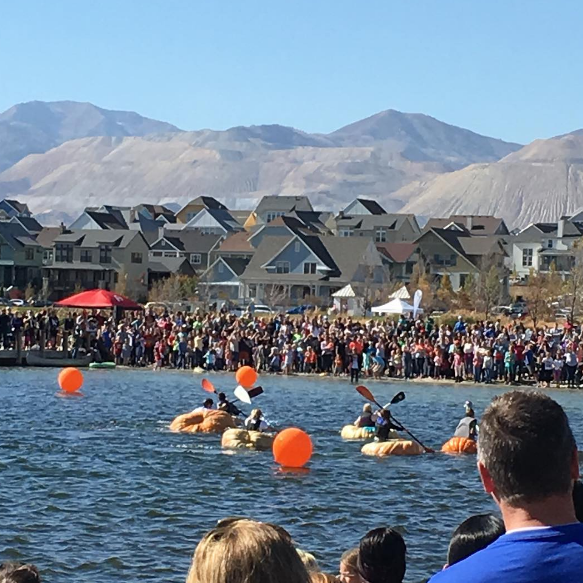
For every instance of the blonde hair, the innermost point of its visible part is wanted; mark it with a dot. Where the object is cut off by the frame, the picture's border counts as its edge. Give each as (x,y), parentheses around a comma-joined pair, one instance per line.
(245,551)
(323,578)
(309,561)
(367,408)
(350,558)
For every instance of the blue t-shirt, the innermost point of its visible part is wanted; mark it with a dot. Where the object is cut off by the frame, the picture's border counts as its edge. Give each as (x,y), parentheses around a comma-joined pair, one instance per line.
(543,555)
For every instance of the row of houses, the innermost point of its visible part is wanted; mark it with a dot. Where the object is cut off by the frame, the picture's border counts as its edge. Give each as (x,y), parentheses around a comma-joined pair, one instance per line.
(284,251)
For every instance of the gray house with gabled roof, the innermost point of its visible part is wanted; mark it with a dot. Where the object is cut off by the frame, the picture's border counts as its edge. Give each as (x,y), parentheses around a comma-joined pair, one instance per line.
(222,280)
(300,266)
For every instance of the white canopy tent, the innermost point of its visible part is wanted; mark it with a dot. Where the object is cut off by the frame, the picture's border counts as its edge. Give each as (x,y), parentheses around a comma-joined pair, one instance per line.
(402,293)
(396,306)
(345,292)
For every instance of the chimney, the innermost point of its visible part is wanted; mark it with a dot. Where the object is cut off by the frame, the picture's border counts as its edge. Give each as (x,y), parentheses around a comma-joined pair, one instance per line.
(62,227)
(469,223)
(560,228)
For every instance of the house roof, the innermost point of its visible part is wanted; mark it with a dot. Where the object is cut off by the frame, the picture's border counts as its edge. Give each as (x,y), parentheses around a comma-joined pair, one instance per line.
(283,203)
(16,235)
(372,206)
(207,202)
(95,237)
(241,216)
(347,254)
(191,241)
(20,207)
(46,237)
(237,243)
(481,224)
(29,223)
(171,265)
(236,264)
(314,220)
(479,246)
(107,220)
(392,221)
(225,219)
(397,252)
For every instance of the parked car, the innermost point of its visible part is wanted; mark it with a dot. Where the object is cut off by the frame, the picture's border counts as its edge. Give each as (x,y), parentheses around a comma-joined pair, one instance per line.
(300,310)
(18,302)
(41,303)
(260,309)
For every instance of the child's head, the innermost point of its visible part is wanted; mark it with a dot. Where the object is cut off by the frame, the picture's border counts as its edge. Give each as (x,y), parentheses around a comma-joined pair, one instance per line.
(472,535)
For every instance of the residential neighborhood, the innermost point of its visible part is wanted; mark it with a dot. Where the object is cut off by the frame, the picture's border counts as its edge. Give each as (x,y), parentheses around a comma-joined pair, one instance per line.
(283,252)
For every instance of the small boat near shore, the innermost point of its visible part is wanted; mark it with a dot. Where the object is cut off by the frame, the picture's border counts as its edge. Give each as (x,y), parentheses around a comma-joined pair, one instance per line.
(56,359)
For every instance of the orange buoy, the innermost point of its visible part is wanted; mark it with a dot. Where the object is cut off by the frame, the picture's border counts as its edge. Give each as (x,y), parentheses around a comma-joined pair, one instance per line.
(458,445)
(246,376)
(70,379)
(292,448)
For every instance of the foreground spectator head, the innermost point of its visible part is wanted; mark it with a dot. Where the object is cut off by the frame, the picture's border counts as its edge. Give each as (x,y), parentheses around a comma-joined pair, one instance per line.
(309,561)
(18,573)
(526,453)
(349,567)
(323,578)
(381,556)
(245,551)
(472,535)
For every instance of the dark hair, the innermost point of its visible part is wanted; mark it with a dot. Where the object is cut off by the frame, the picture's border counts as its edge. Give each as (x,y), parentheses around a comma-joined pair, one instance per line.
(208,402)
(18,573)
(578,499)
(222,396)
(472,535)
(381,556)
(527,447)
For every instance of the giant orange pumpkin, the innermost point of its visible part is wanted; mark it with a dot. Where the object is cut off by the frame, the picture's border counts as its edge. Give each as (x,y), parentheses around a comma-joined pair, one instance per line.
(458,445)
(208,421)
(392,447)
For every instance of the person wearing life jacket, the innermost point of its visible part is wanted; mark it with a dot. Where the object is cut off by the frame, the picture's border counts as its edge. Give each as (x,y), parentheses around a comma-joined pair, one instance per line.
(256,421)
(367,418)
(384,424)
(225,405)
(468,426)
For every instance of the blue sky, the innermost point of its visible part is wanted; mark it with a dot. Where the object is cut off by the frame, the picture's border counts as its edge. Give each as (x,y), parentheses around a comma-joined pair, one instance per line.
(506,68)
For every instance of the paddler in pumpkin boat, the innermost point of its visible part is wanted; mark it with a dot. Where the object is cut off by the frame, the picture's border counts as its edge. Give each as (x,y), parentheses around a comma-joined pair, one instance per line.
(384,424)
(468,426)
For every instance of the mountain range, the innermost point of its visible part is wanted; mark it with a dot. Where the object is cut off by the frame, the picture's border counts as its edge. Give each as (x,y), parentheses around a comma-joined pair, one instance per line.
(62,156)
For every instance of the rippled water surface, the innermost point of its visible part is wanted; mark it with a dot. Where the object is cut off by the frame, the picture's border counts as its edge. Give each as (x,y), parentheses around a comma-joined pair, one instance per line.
(96,489)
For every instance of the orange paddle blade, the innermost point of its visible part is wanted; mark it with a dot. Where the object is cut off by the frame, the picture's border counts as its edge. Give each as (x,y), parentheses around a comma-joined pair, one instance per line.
(366,393)
(208,386)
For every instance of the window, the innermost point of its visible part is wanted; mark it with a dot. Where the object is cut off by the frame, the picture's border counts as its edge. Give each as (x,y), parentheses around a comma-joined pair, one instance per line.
(282,267)
(136,257)
(527,257)
(272,215)
(156,253)
(221,267)
(550,244)
(86,256)
(196,258)
(309,268)
(170,254)
(210,231)
(64,253)
(346,232)
(445,260)
(29,254)
(105,254)
(380,236)
(297,247)
(190,216)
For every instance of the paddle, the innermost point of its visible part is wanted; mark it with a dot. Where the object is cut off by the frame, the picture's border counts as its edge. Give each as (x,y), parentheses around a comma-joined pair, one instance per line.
(252,393)
(396,399)
(242,395)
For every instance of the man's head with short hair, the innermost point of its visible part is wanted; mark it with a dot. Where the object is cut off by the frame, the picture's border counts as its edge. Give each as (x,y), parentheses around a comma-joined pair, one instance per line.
(526,451)
(472,535)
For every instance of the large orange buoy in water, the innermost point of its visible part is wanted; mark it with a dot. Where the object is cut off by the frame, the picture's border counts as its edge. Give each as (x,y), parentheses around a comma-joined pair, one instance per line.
(292,448)
(246,376)
(70,379)
(460,445)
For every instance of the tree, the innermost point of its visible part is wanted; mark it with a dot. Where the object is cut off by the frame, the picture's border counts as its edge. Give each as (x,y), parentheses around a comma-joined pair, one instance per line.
(420,280)
(489,287)
(121,286)
(173,289)
(536,293)
(466,296)
(29,292)
(573,285)
(445,293)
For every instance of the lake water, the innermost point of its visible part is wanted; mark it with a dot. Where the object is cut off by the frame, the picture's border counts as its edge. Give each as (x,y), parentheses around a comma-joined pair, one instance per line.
(96,489)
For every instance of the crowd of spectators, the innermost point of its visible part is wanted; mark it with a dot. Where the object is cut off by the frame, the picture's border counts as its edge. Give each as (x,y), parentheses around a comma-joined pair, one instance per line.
(527,461)
(399,347)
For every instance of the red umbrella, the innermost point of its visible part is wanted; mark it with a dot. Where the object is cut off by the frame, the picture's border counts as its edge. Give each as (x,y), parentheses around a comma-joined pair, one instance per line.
(98,298)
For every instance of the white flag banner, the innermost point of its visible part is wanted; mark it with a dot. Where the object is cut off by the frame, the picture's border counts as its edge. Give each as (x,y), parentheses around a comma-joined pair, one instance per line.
(417,302)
